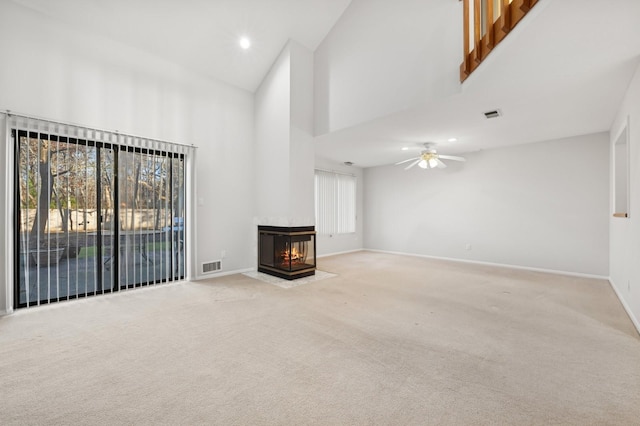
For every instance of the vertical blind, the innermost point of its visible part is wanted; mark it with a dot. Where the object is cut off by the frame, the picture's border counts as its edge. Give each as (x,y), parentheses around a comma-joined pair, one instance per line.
(95,211)
(335,202)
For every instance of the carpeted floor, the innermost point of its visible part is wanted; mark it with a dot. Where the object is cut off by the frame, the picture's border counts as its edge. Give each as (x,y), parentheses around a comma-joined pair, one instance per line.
(389,340)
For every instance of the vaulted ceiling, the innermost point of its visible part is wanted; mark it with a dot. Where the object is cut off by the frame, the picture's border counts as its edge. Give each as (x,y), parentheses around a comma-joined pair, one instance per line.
(561,72)
(203,35)
(386,73)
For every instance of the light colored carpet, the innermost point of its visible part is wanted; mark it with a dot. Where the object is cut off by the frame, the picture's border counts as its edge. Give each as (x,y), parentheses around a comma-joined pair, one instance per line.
(389,340)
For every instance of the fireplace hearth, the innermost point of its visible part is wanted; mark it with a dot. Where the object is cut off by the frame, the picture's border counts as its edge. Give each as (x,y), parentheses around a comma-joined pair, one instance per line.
(287,252)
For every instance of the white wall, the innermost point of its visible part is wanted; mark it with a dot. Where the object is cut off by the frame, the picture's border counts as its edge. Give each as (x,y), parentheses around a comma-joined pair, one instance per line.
(272,118)
(284,140)
(540,205)
(51,71)
(332,244)
(302,150)
(368,66)
(625,232)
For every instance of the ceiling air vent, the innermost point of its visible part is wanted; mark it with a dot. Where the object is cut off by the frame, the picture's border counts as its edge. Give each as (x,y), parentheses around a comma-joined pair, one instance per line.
(210,267)
(493,114)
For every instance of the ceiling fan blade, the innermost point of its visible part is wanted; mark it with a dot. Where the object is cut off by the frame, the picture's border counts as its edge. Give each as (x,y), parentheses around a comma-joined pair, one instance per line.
(452,157)
(413,164)
(405,161)
(440,165)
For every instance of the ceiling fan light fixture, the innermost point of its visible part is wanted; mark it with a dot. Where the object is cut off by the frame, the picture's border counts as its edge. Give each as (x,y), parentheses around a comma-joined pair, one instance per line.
(429,159)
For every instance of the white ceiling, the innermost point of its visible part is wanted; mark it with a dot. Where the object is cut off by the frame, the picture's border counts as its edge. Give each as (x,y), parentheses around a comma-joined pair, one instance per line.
(203,35)
(562,72)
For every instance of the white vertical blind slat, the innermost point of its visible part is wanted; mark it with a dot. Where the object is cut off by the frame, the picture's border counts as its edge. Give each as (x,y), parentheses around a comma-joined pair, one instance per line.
(335,196)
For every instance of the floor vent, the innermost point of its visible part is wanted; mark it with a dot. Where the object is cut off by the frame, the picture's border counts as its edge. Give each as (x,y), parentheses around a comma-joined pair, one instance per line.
(210,267)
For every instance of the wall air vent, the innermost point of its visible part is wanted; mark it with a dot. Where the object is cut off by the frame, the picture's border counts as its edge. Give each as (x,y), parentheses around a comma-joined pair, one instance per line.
(209,267)
(493,114)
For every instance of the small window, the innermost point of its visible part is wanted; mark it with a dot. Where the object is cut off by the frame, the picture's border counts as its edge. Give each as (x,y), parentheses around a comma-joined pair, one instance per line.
(335,197)
(621,174)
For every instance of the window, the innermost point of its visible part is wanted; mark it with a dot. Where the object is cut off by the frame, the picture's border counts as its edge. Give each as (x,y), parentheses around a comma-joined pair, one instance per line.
(335,202)
(95,212)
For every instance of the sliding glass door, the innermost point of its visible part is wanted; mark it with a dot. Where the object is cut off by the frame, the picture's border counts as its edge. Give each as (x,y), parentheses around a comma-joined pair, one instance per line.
(94,217)
(151,217)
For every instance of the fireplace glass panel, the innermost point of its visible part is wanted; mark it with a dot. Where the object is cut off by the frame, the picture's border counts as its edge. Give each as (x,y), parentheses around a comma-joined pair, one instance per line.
(287,252)
(267,250)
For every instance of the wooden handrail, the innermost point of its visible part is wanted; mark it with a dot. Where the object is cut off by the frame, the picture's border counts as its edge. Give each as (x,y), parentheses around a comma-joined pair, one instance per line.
(505,14)
(477,25)
(510,12)
(490,20)
(465,34)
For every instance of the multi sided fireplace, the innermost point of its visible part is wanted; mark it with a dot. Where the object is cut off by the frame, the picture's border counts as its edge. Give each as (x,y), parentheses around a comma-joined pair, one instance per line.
(287,252)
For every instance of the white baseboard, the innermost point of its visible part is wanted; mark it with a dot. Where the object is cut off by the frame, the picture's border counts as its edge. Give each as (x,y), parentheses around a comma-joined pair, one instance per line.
(222,274)
(339,252)
(626,307)
(499,265)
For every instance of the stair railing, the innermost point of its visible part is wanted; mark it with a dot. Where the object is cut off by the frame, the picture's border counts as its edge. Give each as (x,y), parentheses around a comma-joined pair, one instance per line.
(485,24)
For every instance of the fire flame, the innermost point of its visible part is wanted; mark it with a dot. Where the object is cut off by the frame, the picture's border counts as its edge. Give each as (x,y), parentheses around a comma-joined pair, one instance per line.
(293,255)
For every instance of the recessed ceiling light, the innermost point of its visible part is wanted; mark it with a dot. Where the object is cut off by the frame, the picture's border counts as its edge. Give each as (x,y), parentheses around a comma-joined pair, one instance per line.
(405,148)
(245,43)
(452,140)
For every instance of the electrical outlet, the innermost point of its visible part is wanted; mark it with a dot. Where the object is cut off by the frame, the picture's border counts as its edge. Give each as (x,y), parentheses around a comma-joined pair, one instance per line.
(223,254)
(467,247)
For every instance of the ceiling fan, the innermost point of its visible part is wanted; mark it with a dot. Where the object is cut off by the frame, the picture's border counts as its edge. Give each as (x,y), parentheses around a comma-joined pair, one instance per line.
(430,159)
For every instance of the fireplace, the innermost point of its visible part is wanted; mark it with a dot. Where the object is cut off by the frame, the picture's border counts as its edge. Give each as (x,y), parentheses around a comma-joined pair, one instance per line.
(287,252)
